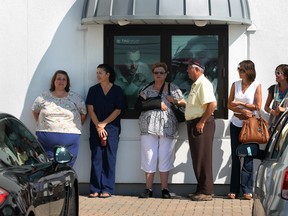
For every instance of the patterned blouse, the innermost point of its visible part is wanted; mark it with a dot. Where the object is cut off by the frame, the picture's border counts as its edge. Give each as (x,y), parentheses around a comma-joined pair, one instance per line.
(159,122)
(62,115)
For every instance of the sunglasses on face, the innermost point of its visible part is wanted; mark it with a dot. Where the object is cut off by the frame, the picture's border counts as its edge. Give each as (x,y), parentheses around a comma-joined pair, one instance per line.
(278,73)
(159,72)
(240,70)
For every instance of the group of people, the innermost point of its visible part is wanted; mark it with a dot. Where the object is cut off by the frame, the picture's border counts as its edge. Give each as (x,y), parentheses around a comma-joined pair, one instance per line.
(245,100)
(60,113)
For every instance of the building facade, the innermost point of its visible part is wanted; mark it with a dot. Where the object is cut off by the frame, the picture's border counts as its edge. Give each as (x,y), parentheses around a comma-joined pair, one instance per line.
(40,37)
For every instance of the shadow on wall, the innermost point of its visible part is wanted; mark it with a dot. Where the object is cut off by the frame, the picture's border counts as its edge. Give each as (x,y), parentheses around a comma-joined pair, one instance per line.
(183,171)
(65,52)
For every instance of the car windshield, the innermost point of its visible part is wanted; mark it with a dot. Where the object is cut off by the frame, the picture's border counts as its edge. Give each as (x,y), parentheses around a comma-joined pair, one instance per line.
(18,146)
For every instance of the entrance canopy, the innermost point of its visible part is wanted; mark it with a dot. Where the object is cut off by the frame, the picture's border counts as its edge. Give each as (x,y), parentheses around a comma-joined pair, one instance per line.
(166,12)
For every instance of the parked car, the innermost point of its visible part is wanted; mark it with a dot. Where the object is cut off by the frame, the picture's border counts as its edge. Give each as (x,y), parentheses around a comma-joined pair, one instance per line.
(271,183)
(30,183)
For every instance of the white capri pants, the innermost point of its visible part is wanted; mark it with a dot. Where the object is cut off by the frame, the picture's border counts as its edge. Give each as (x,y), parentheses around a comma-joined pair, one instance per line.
(157,148)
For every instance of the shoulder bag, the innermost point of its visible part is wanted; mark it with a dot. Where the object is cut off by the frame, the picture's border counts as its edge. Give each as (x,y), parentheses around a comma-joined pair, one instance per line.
(254,130)
(149,103)
(178,111)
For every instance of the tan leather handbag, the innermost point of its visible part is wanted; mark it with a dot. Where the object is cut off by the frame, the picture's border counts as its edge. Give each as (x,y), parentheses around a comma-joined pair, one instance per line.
(254,130)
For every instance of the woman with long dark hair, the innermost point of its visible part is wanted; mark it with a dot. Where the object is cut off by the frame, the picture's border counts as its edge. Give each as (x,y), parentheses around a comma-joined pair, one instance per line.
(278,93)
(105,101)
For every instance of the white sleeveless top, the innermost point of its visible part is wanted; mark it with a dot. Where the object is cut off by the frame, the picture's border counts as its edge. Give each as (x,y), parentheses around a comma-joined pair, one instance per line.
(247,97)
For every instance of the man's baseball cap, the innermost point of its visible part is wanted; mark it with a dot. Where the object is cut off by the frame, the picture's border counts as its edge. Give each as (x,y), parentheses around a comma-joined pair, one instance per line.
(197,62)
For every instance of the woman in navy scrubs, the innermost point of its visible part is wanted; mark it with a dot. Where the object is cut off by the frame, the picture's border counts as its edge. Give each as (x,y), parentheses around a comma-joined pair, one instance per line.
(104,102)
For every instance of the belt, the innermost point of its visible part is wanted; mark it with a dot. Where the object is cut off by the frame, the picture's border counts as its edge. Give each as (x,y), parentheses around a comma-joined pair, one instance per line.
(193,121)
(240,116)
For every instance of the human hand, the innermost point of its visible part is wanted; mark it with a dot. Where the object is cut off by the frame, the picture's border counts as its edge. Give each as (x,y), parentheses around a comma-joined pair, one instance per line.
(142,94)
(247,113)
(235,103)
(163,106)
(102,133)
(277,111)
(200,127)
(101,125)
(101,129)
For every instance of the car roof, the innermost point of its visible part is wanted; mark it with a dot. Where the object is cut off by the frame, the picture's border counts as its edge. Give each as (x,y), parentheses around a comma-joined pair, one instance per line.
(5,115)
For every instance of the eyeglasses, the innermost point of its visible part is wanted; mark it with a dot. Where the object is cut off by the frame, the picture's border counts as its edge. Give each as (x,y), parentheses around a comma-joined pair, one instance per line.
(159,72)
(278,73)
(240,70)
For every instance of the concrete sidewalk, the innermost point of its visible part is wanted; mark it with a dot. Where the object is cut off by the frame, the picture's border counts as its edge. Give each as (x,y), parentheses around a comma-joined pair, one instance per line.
(178,206)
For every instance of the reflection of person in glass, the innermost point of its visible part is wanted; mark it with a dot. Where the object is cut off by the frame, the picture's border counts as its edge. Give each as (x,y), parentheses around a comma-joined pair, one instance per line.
(132,75)
(200,48)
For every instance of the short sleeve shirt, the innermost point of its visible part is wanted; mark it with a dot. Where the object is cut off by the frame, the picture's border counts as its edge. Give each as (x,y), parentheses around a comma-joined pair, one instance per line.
(200,95)
(104,105)
(62,115)
(157,121)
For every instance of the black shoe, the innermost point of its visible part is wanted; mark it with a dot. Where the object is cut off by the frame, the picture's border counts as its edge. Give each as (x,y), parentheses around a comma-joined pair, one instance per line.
(166,194)
(146,194)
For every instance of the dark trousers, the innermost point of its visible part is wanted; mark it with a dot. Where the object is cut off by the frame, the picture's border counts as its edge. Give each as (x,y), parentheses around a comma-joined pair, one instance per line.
(201,148)
(240,175)
(51,139)
(103,162)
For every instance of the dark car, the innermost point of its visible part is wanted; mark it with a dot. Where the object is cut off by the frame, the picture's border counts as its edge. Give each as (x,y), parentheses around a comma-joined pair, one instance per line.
(30,183)
(271,183)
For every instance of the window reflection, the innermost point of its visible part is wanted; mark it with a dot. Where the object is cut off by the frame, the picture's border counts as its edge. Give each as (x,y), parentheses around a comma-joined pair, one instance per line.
(282,141)
(201,47)
(18,146)
(133,58)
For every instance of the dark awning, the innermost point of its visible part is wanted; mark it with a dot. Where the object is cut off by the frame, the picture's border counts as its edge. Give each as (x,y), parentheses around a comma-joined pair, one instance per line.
(166,11)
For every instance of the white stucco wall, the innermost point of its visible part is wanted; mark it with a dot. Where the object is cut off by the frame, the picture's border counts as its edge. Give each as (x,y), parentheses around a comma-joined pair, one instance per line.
(39,37)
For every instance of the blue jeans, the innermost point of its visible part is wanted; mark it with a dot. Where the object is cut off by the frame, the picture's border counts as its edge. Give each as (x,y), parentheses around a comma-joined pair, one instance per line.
(243,177)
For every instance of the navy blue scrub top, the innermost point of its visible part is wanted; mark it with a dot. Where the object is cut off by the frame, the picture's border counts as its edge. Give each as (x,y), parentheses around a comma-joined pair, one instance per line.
(104,105)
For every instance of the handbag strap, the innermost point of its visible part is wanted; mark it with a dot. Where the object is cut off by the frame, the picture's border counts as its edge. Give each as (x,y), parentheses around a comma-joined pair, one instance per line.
(151,83)
(169,93)
(161,90)
(258,111)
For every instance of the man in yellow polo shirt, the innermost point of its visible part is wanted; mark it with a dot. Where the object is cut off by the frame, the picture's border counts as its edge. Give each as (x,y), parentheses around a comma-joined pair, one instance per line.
(201,104)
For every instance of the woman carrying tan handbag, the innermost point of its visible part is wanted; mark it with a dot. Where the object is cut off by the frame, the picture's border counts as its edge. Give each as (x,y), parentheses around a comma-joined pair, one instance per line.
(245,96)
